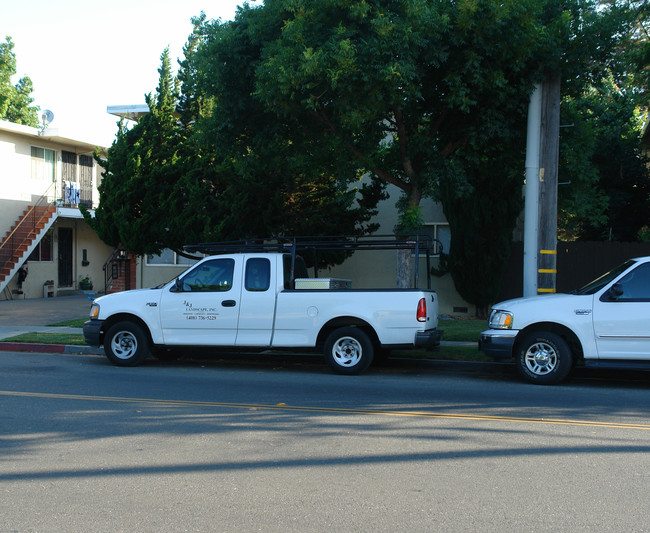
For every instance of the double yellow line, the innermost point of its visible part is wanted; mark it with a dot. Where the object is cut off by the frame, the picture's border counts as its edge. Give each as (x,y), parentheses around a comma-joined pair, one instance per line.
(331,410)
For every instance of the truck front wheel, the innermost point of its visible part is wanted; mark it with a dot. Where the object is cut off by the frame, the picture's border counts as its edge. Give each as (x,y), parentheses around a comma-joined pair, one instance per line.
(349,351)
(544,358)
(126,344)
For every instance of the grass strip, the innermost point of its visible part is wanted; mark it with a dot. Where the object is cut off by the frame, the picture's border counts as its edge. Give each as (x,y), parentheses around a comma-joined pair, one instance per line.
(467,330)
(48,338)
(74,323)
(446,353)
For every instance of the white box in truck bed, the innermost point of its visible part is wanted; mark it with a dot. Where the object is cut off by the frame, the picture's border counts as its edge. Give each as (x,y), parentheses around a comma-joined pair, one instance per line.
(323,283)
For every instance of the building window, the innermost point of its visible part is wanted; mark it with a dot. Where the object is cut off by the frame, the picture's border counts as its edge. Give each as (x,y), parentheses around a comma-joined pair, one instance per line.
(441,232)
(169,257)
(44,249)
(43,164)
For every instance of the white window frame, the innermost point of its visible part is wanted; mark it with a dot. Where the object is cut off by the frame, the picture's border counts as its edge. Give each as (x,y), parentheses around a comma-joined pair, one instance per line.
(436,227)
(178,260)
(38,171)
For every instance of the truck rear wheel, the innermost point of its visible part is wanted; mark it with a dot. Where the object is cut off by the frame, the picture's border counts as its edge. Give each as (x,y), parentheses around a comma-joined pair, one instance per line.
(349,351)
(126,344)
(544,358)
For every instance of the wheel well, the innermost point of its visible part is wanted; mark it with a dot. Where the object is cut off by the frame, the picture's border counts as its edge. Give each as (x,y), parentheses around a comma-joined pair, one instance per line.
(346,321)
(569,336)
(120,317)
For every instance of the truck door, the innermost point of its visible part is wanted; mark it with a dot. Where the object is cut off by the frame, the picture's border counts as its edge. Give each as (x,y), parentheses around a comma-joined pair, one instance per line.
(257,311)
(206,309)
(622,317)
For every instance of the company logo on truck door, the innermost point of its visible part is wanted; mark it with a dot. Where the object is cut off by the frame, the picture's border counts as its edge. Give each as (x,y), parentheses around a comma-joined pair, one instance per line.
(199,313)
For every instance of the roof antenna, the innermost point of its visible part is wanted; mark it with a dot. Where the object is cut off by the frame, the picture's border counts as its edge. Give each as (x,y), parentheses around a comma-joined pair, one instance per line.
(46,117)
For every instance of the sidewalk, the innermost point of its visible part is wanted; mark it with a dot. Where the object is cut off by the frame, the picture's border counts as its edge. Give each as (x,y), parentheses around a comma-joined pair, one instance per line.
(33,315)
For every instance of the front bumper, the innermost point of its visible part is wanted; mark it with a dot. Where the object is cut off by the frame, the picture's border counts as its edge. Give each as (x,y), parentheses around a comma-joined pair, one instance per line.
(92,332)
(429,339)
(497,344)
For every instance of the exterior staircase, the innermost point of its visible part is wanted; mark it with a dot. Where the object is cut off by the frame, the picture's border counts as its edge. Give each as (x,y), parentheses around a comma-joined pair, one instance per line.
(22,238)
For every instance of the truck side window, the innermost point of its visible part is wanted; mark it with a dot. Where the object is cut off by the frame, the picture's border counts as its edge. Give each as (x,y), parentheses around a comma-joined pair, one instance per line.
(258,274)
(636,285)
(211,276)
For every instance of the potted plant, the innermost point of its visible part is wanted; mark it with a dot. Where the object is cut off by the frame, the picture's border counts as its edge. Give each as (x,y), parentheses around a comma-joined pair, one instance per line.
(85,284)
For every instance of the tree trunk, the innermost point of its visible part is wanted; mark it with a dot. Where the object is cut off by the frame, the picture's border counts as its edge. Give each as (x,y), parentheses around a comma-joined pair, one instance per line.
(405,262)
(409,224)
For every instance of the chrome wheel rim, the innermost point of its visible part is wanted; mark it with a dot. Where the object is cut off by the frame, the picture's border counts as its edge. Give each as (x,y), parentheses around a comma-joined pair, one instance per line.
(541,358)
(347,351)
(124,345)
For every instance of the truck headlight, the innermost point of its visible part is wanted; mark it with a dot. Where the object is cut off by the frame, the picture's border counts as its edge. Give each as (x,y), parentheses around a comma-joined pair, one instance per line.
(94,311)
(501,319)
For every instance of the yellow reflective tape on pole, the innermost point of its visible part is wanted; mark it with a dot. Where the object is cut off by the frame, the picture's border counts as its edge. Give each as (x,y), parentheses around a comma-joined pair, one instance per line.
(549,252)
(545,290)
(547,271)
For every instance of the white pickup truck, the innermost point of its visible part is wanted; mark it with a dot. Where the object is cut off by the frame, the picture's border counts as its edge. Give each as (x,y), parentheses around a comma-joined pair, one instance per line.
(254,300)
(604,324)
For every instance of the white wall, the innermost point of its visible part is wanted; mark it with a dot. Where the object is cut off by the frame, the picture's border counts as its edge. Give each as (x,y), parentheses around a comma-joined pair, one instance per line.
(19,189)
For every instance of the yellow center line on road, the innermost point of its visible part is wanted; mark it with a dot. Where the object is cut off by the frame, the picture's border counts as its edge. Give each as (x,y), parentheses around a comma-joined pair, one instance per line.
(332,410)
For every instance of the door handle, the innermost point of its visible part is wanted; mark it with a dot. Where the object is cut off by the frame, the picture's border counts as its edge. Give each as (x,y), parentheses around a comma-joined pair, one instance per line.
(228,303)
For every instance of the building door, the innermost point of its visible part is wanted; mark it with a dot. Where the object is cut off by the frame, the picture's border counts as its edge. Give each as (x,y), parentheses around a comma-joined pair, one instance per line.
(68,170)
(65,257)
(86,180)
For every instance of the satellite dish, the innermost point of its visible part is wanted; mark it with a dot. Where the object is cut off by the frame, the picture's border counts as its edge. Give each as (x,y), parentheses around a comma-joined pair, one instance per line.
(47,117)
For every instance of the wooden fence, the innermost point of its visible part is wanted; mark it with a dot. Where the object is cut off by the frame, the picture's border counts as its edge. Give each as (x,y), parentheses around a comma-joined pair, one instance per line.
(578,263)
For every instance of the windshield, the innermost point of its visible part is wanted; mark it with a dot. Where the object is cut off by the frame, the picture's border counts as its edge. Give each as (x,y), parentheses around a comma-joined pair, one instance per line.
(599,283)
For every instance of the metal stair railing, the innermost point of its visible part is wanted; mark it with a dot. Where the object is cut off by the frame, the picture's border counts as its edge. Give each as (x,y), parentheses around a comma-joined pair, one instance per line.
(116,261)
(29,221)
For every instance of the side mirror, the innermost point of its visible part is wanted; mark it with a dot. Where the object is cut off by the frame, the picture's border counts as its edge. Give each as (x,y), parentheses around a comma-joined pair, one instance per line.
(178,285)
(615,291)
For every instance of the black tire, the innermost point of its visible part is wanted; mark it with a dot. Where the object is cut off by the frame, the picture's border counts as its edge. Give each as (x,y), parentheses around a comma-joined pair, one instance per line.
(126,344)
(543,358)
(349,351)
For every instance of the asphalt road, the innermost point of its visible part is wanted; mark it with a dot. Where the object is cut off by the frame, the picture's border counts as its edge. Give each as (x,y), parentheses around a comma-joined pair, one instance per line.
(284,445)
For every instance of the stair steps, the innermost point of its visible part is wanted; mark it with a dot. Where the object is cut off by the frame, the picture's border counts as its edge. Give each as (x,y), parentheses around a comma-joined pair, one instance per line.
(21,239)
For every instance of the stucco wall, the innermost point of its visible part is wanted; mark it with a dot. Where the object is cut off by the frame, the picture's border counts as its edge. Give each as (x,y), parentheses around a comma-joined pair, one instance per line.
(41,271)
(19,189)
(379,268)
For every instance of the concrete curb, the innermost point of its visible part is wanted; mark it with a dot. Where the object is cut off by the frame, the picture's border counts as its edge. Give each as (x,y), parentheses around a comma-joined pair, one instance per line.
(49,348)
(34,347)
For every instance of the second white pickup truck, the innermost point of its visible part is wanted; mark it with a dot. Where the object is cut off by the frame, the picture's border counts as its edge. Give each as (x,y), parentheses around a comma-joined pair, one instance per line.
(606,324)
(250,300)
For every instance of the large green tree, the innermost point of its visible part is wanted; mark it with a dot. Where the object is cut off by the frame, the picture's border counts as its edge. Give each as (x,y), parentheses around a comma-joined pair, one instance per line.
(394,89)
(605,191)
(414,91)
(15,99)
(606,182)
(168,183)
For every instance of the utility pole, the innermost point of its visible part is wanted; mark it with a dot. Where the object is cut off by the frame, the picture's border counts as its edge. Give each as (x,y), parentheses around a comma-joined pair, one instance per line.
(531,206)
(540,216)
(549,156)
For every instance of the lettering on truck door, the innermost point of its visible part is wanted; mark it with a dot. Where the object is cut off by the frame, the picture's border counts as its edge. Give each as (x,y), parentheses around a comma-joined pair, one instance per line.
(622,323)
(206,311)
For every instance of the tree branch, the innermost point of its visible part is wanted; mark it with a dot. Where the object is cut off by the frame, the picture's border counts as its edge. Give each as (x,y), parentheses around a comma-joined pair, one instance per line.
(382,174)
(407,164)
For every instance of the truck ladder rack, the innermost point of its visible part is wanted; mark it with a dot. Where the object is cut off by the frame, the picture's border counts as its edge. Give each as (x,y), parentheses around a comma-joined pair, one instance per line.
(291,245)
